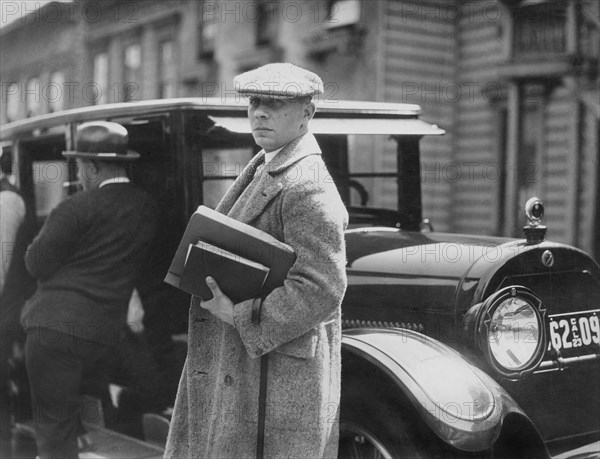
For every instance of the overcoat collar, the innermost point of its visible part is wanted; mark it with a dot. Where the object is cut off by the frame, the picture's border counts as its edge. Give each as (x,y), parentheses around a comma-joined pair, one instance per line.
(290,154)
(293,152)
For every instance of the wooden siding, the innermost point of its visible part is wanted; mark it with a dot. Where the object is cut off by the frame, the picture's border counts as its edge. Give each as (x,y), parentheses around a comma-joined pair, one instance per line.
(556,162)
(475,205)
(420,58)
(588,190)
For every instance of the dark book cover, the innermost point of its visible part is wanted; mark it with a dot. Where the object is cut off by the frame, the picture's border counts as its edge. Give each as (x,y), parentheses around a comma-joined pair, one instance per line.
(243,240)
(238,278)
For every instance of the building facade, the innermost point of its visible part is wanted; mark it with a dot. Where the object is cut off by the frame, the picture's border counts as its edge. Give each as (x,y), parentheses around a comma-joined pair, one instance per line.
(514,84)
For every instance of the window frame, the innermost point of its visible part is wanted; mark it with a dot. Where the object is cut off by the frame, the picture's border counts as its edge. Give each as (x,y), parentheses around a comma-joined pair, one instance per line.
(132,76)
(103,81)
(207,33)
(167,72)
(266,23)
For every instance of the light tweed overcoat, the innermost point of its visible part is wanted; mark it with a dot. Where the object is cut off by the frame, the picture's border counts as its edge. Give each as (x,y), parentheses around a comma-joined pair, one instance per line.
(216,410)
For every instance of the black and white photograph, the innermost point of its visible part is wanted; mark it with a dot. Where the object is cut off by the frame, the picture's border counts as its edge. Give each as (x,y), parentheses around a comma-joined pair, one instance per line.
(363,229)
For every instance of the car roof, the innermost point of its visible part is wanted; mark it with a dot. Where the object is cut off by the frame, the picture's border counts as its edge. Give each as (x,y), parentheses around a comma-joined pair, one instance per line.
(332,116)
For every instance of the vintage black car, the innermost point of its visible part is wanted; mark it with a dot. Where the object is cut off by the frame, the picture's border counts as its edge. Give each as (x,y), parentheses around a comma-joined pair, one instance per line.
(453,345)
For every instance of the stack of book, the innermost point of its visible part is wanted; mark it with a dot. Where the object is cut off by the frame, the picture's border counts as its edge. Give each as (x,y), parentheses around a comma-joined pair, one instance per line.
(245,262)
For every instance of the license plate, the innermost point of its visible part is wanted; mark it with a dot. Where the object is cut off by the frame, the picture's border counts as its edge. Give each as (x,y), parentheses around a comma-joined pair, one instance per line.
(575,333)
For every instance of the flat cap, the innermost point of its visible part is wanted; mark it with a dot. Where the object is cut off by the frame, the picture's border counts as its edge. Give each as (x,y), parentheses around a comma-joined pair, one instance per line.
(279,80)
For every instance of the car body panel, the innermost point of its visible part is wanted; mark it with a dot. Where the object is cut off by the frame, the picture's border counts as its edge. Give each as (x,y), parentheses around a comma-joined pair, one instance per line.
(465,407)
(428,282)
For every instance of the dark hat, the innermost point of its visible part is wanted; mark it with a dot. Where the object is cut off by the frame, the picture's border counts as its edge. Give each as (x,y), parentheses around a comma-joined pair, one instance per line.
(102,140)
(282,80)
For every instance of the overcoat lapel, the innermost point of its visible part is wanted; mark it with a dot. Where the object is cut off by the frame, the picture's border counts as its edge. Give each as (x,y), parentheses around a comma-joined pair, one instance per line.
(246,199)
(255,198)
(240,184)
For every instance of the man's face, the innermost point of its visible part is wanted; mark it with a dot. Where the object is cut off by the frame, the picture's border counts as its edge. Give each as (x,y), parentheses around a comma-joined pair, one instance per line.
(276,122)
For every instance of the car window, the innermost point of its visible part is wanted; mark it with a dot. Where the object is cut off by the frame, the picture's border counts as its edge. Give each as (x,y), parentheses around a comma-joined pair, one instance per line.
(150,136)
(43,173)
(48,179)
(372,164)
(220,167)
(363,168)
(218,156)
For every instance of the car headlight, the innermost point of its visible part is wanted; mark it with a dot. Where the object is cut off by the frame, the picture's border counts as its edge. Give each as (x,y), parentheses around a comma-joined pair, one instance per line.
(511,331)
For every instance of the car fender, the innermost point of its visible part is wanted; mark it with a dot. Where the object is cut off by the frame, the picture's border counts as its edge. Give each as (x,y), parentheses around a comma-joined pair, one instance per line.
(460,403)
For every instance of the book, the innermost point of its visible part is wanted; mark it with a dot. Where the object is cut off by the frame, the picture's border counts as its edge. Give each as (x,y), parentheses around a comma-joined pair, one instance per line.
(238,278)
(243,240)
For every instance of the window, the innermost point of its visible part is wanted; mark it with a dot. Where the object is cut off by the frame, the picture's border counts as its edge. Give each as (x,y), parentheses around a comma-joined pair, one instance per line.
(6,157)
(166,69)
(133,75)
(13,102)
(340,31)
(43,170)
(342,13)
(220,167)
(151,138)
(266,23)
(207,32)
(219,157)
(540,28)
(33,105)
(55,92)
(362,180)
(49,177)
(101,78)
(589,29)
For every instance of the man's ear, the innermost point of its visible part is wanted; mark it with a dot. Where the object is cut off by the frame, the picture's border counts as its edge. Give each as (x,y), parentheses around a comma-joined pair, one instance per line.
(309,110)
(87,167)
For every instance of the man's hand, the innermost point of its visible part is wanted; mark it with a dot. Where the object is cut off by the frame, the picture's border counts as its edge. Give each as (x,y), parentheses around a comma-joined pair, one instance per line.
(220,306)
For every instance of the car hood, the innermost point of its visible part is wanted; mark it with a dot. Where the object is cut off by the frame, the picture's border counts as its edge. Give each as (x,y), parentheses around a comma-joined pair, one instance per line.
(396,252)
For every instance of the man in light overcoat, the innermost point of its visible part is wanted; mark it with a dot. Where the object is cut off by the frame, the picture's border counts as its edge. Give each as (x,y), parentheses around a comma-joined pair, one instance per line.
(219,408)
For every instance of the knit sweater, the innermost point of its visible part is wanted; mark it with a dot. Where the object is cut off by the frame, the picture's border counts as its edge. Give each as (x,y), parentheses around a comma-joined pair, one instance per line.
(86,259)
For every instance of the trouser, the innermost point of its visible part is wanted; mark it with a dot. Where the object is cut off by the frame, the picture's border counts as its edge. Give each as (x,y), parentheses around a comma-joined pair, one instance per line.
(55,362)
(11,336)
(5,408)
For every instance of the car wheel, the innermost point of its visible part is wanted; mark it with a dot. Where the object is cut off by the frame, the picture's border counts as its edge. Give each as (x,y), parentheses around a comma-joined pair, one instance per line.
(358,442)
(371,430)
(377,420)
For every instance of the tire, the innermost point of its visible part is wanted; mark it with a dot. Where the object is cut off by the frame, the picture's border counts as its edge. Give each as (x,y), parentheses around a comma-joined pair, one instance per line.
(377,421)
(357,442)
(370,428)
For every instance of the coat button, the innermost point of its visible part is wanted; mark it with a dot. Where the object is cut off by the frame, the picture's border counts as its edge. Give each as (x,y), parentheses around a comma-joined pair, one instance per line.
(228,380)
